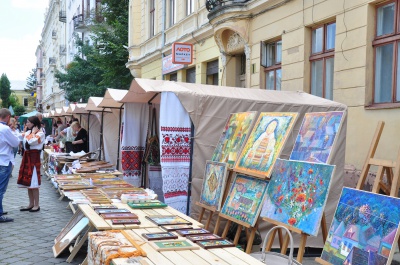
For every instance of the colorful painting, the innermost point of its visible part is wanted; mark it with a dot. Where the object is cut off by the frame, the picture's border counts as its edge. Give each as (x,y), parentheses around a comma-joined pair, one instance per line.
(125,221)
(363,220)
(213,184)
(147,205)
(172,245)
(316,136)
(101,211)
(265,143)
(119,216)
(219,243)
(297,194)
(159,236)
(175,227)
(168,220)
(234,135)
(195,231)
(196,238)
(244,199)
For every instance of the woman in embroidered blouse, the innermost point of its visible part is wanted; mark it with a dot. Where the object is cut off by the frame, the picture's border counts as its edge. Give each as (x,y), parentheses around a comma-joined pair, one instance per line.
(29,172)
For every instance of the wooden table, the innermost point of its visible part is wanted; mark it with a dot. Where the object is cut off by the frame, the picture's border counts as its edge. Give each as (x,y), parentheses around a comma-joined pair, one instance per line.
(220,256)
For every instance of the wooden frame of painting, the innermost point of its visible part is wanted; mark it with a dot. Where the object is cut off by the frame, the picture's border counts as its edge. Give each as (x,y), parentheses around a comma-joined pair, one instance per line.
(244,201)
(170,228)
(125,221)
(147,205)
(159,236)
(215,177)
(104,207)
(194,231)
(317,136)
(172,245)
(265,143)
(233,137)
(119,216)
(168,220)
(218,243)
(196,238)
(103,211)
(78,215)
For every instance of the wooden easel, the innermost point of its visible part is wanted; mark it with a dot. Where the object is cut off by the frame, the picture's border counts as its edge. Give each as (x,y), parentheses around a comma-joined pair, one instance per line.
(226,191)
(203,209)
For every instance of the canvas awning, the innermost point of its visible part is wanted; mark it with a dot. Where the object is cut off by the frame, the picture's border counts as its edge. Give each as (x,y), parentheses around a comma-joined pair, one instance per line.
(57,112)
(77,108)
(64,111)
(112,97)
(93,105)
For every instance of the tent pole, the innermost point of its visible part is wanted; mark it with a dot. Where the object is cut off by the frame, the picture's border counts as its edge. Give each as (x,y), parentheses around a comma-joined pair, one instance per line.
(190,168)
(88,130)
(101,132)
(119,134)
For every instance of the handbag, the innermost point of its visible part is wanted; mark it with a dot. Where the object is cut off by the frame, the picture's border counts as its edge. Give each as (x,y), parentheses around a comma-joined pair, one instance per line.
(152,153)
(274,258)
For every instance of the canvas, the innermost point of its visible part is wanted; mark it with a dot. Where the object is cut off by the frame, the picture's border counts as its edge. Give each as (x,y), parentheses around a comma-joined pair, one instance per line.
(244,199)
(119,216)
(233,136)
(172,245)
(168,220)
(147,205)
(196,238)
(219,243)
(265,143)
(213,184)
(159,236)
(364,220)
(195,231)
(297,194)
(125,221)
(317,136)
(175,227)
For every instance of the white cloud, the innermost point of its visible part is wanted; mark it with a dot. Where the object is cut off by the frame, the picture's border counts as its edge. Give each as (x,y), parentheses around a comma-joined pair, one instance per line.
(39,4)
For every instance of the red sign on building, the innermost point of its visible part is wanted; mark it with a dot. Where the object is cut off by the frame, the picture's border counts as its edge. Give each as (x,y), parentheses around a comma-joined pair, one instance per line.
(182,53)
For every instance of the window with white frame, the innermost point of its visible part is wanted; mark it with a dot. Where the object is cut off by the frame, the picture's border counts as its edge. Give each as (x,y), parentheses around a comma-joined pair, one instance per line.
(172,12)
(152,17)
(25,101)
(189,7)
(271,59)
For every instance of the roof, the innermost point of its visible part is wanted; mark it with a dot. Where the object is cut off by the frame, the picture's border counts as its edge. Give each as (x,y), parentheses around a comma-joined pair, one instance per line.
(112,97)
(340,230)
(93,104)
(17,85)
(374,241)
(77,108)
(389,239)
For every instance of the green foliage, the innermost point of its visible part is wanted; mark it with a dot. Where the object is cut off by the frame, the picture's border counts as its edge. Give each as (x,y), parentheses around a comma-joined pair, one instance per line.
(5,90)
(31,81)
(13,100)
(19,110)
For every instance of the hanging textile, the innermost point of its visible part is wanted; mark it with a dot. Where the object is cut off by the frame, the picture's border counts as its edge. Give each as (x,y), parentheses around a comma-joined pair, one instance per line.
(175,137)
(136,118)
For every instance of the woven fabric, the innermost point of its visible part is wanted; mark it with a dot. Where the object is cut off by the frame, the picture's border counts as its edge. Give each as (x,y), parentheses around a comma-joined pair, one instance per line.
(29,172)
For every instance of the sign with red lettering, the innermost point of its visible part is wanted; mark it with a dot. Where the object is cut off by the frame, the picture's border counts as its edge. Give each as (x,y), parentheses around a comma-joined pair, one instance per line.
(182,53)
(168,66)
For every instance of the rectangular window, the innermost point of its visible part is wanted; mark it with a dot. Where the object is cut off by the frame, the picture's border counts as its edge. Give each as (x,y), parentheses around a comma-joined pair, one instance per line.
(25,102)
(191,75)
(272,60)
(386,54)
(322,60)
(172,13)
(152,18)
(212,73)
(189,7)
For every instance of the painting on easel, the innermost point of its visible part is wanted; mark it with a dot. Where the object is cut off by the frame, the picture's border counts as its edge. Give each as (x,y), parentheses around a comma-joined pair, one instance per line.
(297,194)
(244,199)
(317,136)
(213,184)
(233,137)
(363,220)
(265,143)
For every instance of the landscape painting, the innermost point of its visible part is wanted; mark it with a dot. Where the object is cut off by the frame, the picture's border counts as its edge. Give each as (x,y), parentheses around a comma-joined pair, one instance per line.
(245,199)
(213,184)
(366,221)
(233,136)
(265,143)
(297,194)
(317,136)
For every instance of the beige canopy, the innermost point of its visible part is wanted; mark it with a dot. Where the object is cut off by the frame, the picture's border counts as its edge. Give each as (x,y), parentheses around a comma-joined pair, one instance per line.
(209,107)
(112,97)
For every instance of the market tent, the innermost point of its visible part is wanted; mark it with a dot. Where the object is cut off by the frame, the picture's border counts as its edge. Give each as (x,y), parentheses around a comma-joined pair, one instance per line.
(48,121)
(209,108)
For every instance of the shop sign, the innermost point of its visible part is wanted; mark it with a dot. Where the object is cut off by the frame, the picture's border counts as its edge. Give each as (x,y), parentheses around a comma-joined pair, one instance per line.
(168,66)
(182,53)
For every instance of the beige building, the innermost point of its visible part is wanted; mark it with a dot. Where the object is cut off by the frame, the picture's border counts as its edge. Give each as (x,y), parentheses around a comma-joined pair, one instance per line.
(24,98)
(341,50)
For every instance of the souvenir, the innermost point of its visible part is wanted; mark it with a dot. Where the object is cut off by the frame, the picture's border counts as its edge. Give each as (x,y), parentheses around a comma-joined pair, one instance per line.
(159,236)
(195,231)
(219,243)
(172,245)
(168,220)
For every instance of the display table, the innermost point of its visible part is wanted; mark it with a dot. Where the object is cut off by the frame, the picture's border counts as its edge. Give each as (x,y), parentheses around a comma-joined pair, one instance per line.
(220,256)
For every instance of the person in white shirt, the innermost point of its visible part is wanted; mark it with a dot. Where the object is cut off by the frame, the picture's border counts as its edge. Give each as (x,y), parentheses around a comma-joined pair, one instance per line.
(7,142)
(29,172)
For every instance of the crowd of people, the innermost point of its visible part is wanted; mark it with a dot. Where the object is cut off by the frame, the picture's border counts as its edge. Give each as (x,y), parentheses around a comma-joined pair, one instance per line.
(29,142)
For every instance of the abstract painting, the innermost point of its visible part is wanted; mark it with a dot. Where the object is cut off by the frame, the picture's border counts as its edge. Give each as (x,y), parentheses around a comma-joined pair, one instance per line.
(172,245)
(366,221)
(245,199)
(218,243)
(317,136)
(235,132)
(168,220)
(213,184)
(265,143)
(297,194)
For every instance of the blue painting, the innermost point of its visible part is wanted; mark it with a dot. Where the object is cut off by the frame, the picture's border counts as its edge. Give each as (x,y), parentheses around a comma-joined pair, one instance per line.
(297,194)
(213,184)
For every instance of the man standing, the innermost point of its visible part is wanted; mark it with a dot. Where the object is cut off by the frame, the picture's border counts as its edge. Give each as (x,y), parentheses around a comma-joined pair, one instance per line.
(7,141)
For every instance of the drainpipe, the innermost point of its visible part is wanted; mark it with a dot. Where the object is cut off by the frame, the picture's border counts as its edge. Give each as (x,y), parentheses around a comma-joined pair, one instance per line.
(163,26)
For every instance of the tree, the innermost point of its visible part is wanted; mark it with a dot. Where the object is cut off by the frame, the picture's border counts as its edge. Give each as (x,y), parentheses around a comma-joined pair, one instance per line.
(31,81)
(19,110)
(13,100)
(5,90)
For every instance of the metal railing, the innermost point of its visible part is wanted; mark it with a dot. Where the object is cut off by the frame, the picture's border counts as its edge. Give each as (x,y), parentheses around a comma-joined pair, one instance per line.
(62,16)
(52,61)
(213,5)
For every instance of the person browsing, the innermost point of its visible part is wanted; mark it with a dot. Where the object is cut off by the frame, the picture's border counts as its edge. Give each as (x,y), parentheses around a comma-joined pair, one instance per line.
(80,142)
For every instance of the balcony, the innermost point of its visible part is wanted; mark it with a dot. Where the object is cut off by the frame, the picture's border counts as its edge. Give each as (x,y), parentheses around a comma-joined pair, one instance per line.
(217,7)
(63,50)
(62,16)
(54,34)
(52,61)
(79,23)
(39,65)
(42,76)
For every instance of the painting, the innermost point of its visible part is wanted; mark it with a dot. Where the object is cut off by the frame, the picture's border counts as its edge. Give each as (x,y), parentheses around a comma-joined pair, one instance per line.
(219,243)
(363,220)
(172,245)
(233,136)
(119,216)
(159,236)
(265,143)
(147,205)
(297,194)
(125,221)
(196,238)
(358,256)
(195,231)
(168,220)
(245,199)
(175,227)
(103,207)
(102,211)
(317,136)
(213,184)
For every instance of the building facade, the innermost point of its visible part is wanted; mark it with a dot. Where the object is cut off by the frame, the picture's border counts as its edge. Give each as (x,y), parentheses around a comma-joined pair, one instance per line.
(345,51)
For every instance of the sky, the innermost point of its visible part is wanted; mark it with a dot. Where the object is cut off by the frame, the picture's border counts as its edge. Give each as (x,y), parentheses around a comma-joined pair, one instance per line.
(21,23)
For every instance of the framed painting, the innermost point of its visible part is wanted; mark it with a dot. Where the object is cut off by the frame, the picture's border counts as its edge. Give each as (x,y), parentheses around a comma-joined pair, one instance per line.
(119,216)
(168,220)
(317,136)
(103,207)
(159,236)
(195,238)
(297,194)
(78,215)
(169,228)
(233,136)
(245,199)
(147,205)
(102,211)
(265,143)
(213,184)
(172,245)
(219,243)
(363,220)
(195,231)
(125,221)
